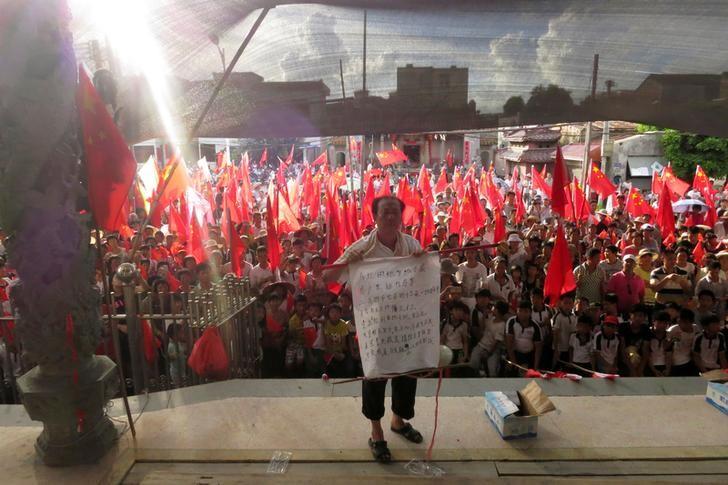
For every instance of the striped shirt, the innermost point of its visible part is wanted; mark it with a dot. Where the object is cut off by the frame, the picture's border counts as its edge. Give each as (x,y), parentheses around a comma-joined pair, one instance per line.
(590,283)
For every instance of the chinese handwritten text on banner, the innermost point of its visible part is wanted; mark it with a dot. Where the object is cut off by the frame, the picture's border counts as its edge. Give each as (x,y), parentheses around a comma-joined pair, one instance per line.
(397,309)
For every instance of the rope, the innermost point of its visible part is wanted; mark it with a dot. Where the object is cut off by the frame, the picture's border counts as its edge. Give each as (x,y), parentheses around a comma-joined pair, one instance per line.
(428,456)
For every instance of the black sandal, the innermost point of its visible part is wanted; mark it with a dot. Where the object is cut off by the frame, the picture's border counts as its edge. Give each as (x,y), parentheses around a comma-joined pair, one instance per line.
(409,433)
(380,452)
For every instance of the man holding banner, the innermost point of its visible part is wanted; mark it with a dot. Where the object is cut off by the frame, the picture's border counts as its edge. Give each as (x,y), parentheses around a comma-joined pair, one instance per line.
(385,241)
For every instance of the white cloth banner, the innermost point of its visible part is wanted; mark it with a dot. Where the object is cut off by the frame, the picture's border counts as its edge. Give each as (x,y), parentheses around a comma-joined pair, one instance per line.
(397,313)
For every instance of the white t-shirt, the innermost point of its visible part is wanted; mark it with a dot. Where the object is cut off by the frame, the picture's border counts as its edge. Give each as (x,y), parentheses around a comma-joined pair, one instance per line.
(257,275)
(566,326)
(498,291)
(606,348)
(471,279)
(494,332)
(683,347)
(454,335)
(582,351)
(524,338)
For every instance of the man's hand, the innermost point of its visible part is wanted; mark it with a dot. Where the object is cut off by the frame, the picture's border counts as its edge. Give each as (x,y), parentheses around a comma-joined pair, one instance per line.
(354,257)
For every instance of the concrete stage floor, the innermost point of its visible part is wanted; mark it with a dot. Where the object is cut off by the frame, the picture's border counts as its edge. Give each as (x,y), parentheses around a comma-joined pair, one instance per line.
(651,429)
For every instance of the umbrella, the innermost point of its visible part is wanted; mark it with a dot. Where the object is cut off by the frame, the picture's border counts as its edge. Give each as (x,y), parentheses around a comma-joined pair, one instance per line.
(686,205)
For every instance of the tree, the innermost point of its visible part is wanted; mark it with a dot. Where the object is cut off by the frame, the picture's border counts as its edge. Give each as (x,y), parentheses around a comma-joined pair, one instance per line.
(513,106)
(549,99)
(685,151)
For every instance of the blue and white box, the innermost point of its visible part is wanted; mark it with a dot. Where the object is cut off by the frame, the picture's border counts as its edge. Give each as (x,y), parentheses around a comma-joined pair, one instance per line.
(717,395)
(504,414)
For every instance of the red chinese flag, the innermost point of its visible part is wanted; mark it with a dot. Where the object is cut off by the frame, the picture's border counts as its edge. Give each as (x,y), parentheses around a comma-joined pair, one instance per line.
(539,183)
(367,218)
(457,181)
(390,157)
(179,181)
(237,249)
(449,158)
(561,182)
(468,225)
(427,226)
(582,210)
(423,184)
(499,233)
(302,276)
(289,159)
(702,184)
(699,250)
(665,216)
(455,223)
(272,242)
(331,247)
(263,157)
(110,166)
(636,205)
(384,188)
(344,238)
(177,224)
(197,248)
(599,182)
(656,186)
(559,274)
(676,186)
(322,159)
(173,282)
(354,218)
(520,206)
(495,198)
(441,184)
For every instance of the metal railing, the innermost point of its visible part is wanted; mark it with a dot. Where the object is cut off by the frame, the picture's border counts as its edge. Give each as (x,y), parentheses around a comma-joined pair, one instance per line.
(155,358)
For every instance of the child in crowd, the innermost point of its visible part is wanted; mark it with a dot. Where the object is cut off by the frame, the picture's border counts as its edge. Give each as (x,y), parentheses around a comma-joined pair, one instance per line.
(542,316)
(479,316)
(177,354)
(564,327)
(455,333)
(524,342)
(336,332)
(313,331)
(706,306)
(682,335)
(709,347)
(606,346)
(581,344)
(295,352)
(660,347)
(634,339)
(491,344)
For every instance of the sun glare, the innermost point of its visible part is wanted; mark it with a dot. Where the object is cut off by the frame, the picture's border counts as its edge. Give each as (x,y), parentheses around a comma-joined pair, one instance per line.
(124,26)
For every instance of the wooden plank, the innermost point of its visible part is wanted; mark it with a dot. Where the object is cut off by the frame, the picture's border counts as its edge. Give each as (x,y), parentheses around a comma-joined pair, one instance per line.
(613,468)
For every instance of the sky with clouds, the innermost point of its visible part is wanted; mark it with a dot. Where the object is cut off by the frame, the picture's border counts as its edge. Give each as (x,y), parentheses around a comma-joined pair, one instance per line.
(509,47)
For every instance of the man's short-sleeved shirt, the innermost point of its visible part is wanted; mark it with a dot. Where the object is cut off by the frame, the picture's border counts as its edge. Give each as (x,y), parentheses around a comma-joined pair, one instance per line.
(369,247)
(606,348)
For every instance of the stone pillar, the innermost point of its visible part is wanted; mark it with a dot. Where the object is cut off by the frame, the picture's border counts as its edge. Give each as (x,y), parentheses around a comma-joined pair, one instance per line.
(58,317)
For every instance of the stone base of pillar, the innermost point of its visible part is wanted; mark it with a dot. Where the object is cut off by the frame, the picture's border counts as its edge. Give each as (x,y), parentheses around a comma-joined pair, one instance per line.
(76,429)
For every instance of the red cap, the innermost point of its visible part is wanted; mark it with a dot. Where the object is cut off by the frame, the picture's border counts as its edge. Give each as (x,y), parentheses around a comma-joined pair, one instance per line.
(611,320)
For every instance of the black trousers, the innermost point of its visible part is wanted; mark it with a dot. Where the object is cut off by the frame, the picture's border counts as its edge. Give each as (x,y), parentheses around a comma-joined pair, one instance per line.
(403,397)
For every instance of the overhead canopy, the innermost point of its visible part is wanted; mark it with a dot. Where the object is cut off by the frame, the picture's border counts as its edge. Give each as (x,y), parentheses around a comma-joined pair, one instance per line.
(430,66)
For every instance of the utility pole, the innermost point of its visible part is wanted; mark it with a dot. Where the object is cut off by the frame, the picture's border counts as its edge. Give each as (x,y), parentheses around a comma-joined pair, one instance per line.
(364,57)
(585,168)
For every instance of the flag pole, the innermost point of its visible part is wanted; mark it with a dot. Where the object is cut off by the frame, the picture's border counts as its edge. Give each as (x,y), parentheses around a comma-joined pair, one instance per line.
(114,333)
(201,118)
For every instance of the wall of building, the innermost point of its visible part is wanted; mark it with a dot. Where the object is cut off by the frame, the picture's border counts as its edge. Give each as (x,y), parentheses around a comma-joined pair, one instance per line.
(644,145)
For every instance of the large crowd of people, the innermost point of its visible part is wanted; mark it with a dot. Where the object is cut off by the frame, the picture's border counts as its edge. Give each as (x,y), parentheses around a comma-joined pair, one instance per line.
(649,300)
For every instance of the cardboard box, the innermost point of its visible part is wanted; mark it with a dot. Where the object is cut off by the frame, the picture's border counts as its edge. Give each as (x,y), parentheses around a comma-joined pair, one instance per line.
(515,420)
(717,395)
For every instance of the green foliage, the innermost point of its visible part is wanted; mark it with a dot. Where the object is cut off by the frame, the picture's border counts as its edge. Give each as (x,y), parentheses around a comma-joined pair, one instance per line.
(686,150)
(645,128)
(513,106)
(549,99)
